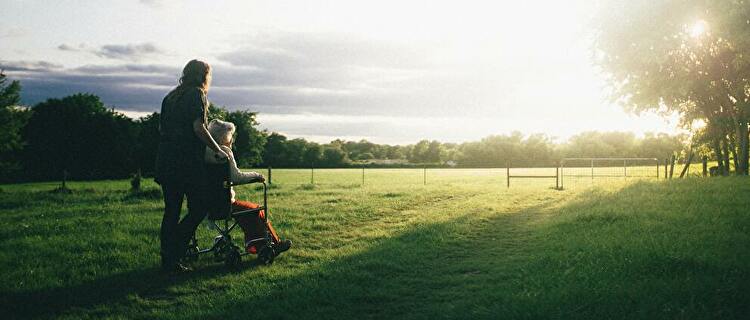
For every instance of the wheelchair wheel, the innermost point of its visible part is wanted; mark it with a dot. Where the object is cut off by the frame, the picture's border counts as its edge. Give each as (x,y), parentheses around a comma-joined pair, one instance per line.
(266,255)
(232,258)
(220,248)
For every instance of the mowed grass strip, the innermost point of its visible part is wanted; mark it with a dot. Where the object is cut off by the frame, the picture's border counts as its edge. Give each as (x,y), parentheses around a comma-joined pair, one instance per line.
(457,250)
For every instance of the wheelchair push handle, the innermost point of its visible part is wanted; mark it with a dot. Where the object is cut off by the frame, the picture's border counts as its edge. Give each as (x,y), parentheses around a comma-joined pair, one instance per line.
(265,191)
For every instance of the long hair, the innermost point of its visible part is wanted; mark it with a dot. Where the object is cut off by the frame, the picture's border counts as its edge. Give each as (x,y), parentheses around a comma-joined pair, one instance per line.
(196,74)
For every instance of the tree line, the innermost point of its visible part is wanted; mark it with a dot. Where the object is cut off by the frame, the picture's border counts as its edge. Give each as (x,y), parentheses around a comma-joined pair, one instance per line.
(79,135)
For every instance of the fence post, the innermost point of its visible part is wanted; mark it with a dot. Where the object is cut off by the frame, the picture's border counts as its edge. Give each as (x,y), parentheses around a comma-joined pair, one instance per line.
(671,166)
(705,166)
(312,174)
(135,181)
(557,177)
(363,174)
(592,170)
(686,168)
(666,168)
(562,173)
(625,167)
(424,175)
(507,173)
(269,174)
(64,180)
(657,169)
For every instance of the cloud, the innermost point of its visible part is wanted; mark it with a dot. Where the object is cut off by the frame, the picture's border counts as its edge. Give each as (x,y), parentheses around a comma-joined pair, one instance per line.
(325,72)
(150,2)
(79,48)
(331,73)
(65,47)
(394,129)
(132,52)
(12,32)
(335,75)
(290,73)
(129,69)
(283,50)
(331,61)
(295,73)
(129,86)
(25,66)
(126,52)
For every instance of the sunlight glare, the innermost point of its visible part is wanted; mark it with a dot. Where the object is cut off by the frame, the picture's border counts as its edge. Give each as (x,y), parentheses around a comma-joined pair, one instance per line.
(698,29)
(698,124)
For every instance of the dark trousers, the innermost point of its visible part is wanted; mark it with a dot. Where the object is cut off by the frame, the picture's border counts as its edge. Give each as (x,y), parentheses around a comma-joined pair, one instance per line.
(175,234)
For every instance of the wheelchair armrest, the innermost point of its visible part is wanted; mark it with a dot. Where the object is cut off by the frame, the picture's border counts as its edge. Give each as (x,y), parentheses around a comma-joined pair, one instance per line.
(228,184)
(244,213)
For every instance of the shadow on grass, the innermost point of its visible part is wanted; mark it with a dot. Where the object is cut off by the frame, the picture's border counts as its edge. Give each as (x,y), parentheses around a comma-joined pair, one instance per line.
(440,270)
(149,283)
(143,194)
(548,261)
(25,199)
(146,283)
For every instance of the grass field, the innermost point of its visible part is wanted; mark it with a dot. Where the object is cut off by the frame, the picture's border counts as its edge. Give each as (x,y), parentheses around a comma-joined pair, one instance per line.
(462,246)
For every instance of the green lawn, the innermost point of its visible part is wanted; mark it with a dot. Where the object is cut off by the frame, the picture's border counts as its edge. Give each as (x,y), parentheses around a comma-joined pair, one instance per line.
(459,247)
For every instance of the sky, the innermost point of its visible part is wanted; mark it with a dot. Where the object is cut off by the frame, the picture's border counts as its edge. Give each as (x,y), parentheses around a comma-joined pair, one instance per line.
(390,72)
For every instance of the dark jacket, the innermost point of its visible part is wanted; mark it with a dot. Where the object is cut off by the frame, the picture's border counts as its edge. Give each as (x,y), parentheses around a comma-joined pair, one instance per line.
(180,155)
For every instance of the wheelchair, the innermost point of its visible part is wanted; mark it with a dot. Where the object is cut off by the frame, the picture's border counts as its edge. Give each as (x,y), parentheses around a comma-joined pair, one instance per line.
(223,218)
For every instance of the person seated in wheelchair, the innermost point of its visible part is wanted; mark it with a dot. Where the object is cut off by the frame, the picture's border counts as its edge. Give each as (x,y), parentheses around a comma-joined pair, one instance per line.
(254,227)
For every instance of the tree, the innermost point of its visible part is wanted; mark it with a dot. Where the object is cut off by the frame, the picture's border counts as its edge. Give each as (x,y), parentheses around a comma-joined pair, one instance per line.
(147,142)
(217,112)
(275,154)
(396,152)
(12,120)
(493,151)
(539,149)
(379,151)
(660,145)
(434,152)
(313,154)
(686,56)
(334,156)
(295,150)
(452,152)
(355,149)
(498,150)
(419,152)
(365,156)
(79,135)
(601,144)
(249,141)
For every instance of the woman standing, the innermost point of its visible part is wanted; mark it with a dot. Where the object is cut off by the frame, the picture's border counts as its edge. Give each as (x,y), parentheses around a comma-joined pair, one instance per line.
(180,168)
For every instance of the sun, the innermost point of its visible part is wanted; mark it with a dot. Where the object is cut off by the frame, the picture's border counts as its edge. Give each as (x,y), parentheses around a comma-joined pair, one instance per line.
(698,29)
